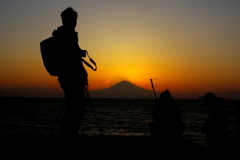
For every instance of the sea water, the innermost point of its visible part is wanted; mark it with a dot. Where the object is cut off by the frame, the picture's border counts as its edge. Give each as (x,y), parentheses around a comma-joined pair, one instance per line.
(114,117)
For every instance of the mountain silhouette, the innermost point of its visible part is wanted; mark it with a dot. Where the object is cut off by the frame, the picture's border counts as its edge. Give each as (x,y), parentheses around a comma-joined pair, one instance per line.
(124,90)
(30,92)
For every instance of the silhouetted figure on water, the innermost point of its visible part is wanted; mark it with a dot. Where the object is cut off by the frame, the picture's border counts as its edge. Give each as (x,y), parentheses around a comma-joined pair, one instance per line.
(216,126)
(167,127)
(167,122)
(73,76)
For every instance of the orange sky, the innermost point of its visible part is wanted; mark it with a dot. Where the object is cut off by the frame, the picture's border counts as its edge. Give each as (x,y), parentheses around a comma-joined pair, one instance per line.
(187,47)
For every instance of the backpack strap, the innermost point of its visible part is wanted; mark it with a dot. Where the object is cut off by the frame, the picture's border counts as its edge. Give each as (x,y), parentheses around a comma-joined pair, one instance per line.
(92,61)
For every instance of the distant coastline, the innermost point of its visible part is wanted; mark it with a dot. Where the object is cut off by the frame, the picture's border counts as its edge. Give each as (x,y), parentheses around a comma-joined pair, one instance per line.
(122,90)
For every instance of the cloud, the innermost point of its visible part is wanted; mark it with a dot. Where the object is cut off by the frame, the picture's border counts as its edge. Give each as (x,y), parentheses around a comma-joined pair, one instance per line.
(106,83)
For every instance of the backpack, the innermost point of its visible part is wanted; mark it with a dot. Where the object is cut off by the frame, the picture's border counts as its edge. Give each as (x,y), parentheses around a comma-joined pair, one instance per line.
(52,59)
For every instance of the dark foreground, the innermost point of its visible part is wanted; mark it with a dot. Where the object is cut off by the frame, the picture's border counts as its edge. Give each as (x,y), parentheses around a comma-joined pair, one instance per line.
(117,118)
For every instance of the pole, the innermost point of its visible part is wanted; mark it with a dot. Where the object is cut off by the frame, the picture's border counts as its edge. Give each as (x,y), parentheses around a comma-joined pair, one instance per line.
(153,89)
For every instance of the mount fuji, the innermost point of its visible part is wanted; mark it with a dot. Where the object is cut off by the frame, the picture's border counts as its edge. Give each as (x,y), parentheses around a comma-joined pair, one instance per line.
(123,90)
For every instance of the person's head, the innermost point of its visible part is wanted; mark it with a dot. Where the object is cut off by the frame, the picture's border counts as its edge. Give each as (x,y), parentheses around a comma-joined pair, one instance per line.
(165,95)
(69,17)
(210,100)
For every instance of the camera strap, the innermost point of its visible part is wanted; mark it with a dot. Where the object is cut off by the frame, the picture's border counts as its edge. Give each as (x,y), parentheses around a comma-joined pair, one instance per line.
(92,61)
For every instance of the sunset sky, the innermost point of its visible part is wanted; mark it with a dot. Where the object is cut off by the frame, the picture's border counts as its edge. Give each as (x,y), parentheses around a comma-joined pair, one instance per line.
(187,46)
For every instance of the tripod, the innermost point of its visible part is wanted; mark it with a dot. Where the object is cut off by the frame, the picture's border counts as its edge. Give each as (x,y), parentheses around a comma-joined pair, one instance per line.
(58,119)
(89,98)
(63,108)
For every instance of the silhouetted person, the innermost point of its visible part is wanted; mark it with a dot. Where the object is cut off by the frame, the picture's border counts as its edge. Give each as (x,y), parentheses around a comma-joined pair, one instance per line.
(216,126)
(73,76)
(167,122)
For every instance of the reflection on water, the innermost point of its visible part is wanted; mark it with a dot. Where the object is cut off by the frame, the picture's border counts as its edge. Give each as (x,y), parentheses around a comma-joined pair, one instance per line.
(117,117)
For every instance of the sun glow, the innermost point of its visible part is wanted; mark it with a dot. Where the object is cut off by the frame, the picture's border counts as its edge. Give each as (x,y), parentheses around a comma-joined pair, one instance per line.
(174,43)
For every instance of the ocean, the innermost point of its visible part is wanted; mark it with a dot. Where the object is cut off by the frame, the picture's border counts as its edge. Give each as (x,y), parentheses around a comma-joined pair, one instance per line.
(116,117)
